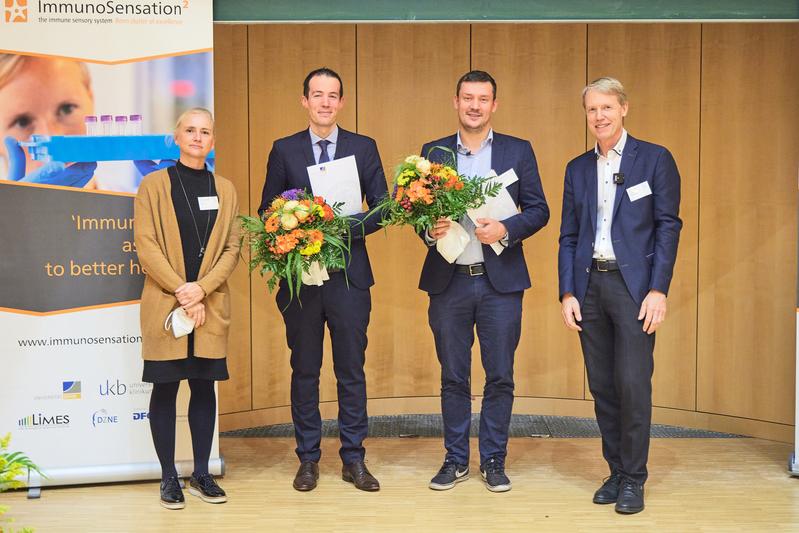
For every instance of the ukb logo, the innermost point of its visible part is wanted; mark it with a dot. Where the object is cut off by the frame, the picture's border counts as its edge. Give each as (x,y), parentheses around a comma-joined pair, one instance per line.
(113,389)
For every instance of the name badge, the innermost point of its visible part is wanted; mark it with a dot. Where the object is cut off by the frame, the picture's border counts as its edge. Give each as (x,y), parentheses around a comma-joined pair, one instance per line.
(639,191)
(208,203)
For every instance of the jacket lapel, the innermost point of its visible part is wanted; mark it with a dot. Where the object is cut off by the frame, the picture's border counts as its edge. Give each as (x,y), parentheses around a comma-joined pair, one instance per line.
(626,168)
(342,144)
(307,149)
(498,154)
(591,189)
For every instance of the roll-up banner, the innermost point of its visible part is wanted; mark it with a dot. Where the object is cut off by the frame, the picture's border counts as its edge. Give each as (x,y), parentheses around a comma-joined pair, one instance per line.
(89,94)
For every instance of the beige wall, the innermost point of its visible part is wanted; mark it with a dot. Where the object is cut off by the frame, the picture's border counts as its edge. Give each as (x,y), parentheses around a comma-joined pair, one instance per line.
(721,97)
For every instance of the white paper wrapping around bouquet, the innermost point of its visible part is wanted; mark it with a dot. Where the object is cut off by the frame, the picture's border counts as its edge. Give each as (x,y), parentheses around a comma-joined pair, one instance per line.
(499,207)
(338,181)
(316,275)
(451,245)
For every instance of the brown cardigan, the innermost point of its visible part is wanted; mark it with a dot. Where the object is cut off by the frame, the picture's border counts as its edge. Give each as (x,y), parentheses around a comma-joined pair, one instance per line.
(158,244)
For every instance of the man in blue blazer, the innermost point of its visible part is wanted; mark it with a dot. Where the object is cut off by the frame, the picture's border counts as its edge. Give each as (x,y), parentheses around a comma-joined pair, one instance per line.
(618,244)
(480,288)
(343,302)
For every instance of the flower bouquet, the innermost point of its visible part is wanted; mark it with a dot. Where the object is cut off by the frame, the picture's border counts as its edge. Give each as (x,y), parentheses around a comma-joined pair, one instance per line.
(297,239)
(425,191)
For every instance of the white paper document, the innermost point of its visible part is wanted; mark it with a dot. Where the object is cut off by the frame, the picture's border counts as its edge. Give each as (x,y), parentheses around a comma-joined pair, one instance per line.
(338,181)
(500,206)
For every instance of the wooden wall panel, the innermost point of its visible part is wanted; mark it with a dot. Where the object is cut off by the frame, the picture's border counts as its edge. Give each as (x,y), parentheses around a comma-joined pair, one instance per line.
(280,56)
(406,79)
(540,71)
(232,145)
(659,65)
(747,254)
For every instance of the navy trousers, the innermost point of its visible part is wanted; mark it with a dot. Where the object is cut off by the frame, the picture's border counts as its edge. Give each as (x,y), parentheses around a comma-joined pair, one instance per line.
(619,361)
(346,312)
(467,302)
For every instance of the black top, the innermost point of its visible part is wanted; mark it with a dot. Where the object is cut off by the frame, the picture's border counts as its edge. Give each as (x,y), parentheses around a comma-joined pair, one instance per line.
(191,183)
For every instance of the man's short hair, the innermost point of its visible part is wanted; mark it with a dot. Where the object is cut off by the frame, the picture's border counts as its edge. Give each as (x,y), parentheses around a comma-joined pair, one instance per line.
(607,85)
(478,76)
(324,71)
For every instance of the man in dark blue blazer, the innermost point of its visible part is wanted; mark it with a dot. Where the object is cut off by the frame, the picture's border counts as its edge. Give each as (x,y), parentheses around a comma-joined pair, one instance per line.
(480,288)
(618,244)
(343,302)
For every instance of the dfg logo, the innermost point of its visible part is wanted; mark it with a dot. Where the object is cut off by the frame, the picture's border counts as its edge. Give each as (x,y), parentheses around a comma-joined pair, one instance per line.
(113,389)
(141,415)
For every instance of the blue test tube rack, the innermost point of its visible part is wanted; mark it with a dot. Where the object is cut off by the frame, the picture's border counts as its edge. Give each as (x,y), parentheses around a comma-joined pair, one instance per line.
(85,148)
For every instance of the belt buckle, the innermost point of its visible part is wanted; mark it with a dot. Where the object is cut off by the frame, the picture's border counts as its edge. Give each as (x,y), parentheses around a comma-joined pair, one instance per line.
(473,273)
(599,263)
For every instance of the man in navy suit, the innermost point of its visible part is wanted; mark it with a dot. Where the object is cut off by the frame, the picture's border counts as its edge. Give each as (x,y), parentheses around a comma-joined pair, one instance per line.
(481,288)
(618,243)
(343,302)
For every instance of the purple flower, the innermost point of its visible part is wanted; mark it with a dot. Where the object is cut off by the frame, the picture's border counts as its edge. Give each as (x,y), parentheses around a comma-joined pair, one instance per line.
(292,194)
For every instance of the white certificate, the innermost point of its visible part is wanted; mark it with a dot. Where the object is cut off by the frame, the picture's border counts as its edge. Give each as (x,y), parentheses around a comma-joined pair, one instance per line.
(500,206)
(337,181)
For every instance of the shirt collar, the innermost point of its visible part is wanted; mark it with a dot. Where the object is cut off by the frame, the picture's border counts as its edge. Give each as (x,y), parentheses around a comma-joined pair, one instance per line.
(333,137)
(619,148)
(461,149)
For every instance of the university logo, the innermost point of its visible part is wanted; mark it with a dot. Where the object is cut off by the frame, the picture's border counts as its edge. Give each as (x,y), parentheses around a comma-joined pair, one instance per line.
(71,390)
(38,420)
(113,389)
(15,10)
(102,417)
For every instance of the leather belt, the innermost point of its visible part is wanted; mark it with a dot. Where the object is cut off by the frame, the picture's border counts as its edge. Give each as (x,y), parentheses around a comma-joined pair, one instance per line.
(604,265)
(477,269)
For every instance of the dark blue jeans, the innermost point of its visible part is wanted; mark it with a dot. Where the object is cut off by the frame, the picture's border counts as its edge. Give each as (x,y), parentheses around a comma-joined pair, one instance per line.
(467,302)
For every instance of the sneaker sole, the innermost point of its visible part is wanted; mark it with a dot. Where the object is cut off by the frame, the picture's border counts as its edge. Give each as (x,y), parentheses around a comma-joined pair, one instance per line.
(438,486)
(172,506)
(604,501)
(496,488)
(207,499)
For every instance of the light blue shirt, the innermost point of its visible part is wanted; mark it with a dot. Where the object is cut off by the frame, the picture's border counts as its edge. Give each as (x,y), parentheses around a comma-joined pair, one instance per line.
(331,148)
(470,165)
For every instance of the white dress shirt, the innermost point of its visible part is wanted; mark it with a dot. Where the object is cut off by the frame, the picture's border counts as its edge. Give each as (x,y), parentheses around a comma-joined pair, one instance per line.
(606,166)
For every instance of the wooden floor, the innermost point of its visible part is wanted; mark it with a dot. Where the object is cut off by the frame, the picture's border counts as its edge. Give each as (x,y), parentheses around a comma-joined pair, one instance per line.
(695,485)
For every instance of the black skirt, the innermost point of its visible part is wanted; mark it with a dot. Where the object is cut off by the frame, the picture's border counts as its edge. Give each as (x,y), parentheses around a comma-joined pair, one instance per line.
(190,368)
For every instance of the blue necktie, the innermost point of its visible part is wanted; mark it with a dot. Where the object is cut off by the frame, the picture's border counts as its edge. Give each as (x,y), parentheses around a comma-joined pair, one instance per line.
(323,157)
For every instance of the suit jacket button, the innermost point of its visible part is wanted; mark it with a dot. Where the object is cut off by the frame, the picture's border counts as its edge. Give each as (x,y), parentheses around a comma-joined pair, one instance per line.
(587,270)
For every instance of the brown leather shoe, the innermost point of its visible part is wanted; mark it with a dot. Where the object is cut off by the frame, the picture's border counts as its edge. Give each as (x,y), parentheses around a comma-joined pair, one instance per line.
(306,477)
(358,475)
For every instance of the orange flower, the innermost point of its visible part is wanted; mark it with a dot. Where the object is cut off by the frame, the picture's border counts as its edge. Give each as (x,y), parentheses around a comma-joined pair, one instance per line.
(271,224)
(315,235)
(298,234)
(400,193)
(329,215)
(284,244)
(418,191)
(458,185)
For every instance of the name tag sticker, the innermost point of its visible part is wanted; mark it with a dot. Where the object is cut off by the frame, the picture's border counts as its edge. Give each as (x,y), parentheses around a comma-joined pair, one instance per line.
(208,203)
(639,191)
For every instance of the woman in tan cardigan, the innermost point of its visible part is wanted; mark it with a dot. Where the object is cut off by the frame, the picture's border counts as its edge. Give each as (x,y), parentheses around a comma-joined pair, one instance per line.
(187,238)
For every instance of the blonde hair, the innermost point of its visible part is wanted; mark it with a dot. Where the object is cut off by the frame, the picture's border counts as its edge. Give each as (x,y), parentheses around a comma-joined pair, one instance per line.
(607,85)
(195,111)
(11,64)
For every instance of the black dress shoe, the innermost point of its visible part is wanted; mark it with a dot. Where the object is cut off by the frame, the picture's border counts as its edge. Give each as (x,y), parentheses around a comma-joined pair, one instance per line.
(204,487)
(631,497)
(609,491)
(171,495)
(306,477)
(357,474)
